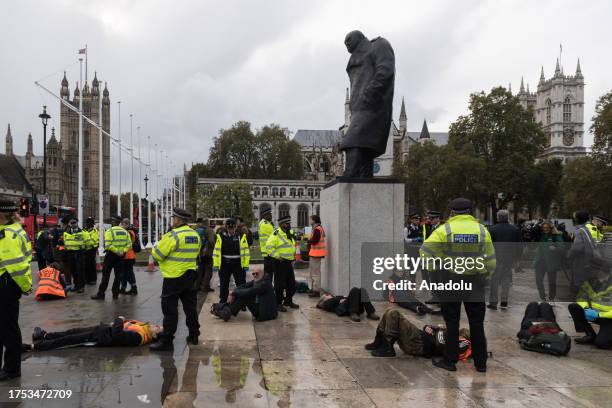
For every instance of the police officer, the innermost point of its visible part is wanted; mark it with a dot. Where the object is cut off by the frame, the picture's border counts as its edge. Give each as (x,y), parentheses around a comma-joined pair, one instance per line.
(413,232)
(434,222)
(461,238)
(177,254)
(595,227)
(266,228)
(281,247)
(74,243)
(231,257)
(116,243)
(15,279)
(89,253)
(43,248)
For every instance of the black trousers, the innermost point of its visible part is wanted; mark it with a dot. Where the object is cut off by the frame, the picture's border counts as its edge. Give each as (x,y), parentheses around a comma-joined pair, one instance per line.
(359,301)
(284,281)
(70,337)
(359,162)
(269,267)
(75,262)
(228,269)
(89,261)
(248,302)
(182,288)
(543,311)
(128,274)
(112,262)
(41,259)
(603,339)
(451,311)
(542,269)
(205,272)
(10,333)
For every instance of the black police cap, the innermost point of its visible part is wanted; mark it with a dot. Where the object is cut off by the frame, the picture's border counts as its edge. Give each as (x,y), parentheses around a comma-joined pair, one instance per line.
(230,222)
(415,215)
(460,205)
(180,213)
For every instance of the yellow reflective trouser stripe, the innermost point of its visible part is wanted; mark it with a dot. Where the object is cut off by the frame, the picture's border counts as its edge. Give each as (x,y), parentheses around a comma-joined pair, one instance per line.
(177,259)
(187,250)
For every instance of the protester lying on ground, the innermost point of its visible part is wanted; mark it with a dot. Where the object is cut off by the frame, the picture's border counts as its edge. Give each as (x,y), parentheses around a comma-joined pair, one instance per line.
(429,342)
(354,305)
(594,305)
(120,333)
(405,298)
(51,283)
(540,331)
(256,295)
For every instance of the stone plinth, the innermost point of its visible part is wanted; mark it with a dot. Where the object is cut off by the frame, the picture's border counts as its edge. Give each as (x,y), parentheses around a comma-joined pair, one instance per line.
(354,212)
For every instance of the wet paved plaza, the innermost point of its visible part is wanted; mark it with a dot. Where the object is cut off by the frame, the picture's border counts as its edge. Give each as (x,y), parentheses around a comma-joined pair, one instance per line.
(306,358)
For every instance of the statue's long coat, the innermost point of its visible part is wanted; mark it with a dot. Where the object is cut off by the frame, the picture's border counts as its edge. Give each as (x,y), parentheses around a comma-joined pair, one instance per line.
(371,70)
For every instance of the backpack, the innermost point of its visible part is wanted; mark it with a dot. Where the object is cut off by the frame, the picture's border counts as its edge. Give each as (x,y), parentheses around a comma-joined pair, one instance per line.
(545,337)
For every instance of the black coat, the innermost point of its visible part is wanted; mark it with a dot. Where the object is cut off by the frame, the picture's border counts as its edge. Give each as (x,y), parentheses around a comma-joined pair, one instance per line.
(261,291)
(506,239)
(371,70)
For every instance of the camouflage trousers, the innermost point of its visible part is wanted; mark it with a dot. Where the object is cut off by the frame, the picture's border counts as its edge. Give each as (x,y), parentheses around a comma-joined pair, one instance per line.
(396,328)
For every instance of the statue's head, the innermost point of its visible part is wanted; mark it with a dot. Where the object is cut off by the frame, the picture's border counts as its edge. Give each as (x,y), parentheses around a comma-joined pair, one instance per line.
(353,39)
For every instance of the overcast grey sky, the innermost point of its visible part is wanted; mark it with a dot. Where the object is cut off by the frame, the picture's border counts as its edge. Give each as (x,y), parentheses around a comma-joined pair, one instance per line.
(186,69)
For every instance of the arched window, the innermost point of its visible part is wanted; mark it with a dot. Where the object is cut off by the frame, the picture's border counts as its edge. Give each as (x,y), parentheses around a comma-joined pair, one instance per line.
(310,192)
(292,192)
(274,191)
(302,215)
(283,210)
(264,191)
(567,110)
(283,192)
(86,177)
(548,108)
(256,192)
(86,139)
(318,209)
(317,192)
(262,207)
(300,192)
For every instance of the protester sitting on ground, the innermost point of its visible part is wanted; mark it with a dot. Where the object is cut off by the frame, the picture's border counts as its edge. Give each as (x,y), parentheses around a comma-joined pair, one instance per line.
(120,333)
(429,342)
(594,305)
(51,283)
(540,331)
(257,295)
(354,305)
(405,298)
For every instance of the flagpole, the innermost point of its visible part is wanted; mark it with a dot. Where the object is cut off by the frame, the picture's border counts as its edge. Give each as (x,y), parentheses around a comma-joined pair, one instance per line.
(148,198)
(139,187)
(80,168)
(119,145)
(85,62)
(100,178)
(132,170)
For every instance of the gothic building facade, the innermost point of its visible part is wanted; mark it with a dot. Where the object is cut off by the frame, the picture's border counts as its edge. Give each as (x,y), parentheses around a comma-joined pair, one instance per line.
(558,105)
(63,154)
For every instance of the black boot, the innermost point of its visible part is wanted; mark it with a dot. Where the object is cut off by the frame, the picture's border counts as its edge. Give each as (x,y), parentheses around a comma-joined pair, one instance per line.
(376,343)
(98,296)
(4,376)
(193,338)
(441,362)
(385,350)
(133,290)
(38,334)
(162,344)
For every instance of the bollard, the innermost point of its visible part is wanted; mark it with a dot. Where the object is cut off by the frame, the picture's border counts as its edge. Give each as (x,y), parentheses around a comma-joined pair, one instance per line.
(151,264)
(298,253)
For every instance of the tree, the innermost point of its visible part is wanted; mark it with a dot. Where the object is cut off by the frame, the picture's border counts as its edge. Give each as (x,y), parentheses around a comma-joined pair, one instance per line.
(197,170)
(227,200)
(586,185)
(602,129)
(507,140)
(544,188)
(279,156)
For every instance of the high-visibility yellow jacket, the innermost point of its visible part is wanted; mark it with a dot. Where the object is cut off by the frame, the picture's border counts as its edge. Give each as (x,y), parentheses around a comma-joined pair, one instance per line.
(177,251)
(281,245)
(93,238)
(595,233)
(266,228)
(16,255)
(245,254)
(75,241)
(601,300)
(117,240)
(462,236)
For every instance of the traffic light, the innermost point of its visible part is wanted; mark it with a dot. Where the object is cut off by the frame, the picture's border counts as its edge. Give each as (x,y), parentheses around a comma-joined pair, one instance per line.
(24,208)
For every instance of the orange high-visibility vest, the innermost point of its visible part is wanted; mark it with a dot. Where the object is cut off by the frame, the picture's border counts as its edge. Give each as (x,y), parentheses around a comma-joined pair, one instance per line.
(49,284)
(138,327)
(319,250)
(130,254)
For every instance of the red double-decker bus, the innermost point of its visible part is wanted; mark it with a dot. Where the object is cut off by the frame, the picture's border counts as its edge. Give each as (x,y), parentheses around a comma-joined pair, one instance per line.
(56,213)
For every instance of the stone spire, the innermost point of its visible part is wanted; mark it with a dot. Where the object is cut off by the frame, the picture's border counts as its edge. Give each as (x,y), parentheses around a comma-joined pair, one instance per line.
(522,90)
(557,69)
(29,153)
(9,142)
(347,109)
(510,87)
(402,118)
(527,87)
(578,70)
(95,85)
(424,131)
(77,95)
(65,92)
(542,78)
(53,136)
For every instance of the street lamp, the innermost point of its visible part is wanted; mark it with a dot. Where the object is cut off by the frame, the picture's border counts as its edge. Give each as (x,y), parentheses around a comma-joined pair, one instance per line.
(146,180)
(44,117)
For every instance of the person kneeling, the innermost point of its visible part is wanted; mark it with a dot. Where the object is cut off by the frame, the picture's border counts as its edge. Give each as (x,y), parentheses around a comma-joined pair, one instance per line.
(594,305)
(119,333)
(354,305)
(429,342)
(51,283)
(256,295)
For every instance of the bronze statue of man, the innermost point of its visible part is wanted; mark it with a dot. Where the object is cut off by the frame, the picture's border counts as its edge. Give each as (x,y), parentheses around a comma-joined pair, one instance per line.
(371,70)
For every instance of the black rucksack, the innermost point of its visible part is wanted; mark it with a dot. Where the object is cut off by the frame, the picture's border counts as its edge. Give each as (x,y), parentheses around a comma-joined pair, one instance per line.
(544,340)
